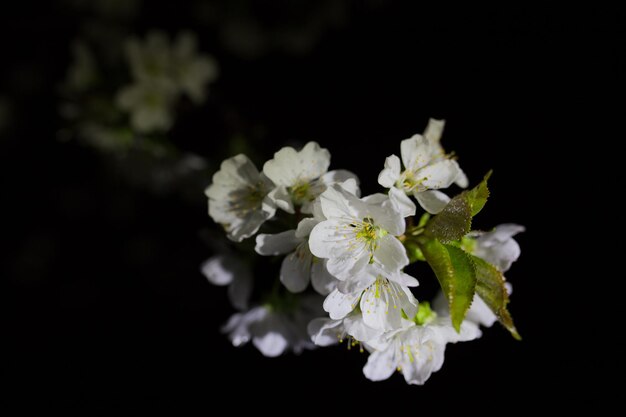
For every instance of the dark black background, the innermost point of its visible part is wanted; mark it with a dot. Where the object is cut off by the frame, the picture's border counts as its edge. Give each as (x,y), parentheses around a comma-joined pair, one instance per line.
(106,308)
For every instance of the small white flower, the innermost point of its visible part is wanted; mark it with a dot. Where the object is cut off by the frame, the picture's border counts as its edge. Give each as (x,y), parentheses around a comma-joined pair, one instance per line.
(427,169)
(238,198)
(149,104)
(299,266)
(358,232)
(192,71)
(383,298)
(227,269)
(416,350)
(273,331)
(497,247)
(301,176)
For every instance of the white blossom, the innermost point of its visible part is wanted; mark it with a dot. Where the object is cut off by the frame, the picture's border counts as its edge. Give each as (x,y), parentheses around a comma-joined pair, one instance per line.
(427,169)
(301,176)
(150,105)
(417,349)
(272,330)
(358,232)
(238,198)
(498,246)
(383,298)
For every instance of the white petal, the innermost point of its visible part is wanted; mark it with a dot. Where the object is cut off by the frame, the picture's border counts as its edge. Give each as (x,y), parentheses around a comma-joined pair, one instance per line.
(338,305)
(339,176)
(351,185)
(388,217)
(239,168)
(348,265)
(277,244)
(356,327)
(358,282)
(305,226)
(338,203)
(390,254)
(506,231)
(401,278)
(218,270)
(479,313)
(434,130)
(289,167)
(461,179)
(380,365)
(314,161)
(432,201)
(281,199)
(296,270)
(402,202)
(375,199)
(440,174)
(271,344)
(325,332)
(248,226)
(270,334)
(321,280)
(391,173)
(416,152)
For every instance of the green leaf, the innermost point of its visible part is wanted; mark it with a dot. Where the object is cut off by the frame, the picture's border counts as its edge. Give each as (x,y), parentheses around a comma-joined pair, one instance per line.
(477,196)
(455,272)
(455,220)
(490,287)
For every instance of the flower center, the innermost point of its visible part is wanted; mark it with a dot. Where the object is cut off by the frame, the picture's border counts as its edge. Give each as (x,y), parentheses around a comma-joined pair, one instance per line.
(247,199)
(300,193)
(369,232)
(408,181)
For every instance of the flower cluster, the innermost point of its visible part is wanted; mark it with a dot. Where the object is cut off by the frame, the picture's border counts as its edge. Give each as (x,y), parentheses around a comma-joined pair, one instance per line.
(162,71)
(353,250)
(121,99)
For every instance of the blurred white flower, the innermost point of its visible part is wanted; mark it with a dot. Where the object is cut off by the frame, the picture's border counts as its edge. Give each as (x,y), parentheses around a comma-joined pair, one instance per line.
(427,169)
(150,105)
(228,269)
(192,71)
(301,176)
(358,232)
(496,247)
(272,330)
(238,198)
(417,349)
(162,71)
